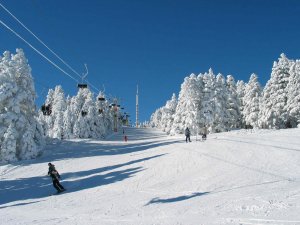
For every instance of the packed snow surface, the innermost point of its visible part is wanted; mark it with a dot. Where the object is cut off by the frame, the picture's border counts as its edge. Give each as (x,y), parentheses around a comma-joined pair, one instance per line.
(238,177)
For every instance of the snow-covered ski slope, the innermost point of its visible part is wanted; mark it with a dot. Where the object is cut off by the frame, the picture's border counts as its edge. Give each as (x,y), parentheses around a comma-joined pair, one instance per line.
(239,177)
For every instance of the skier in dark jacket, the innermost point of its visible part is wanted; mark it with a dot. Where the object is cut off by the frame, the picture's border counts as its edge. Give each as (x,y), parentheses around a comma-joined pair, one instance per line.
(187,135)
(52,172)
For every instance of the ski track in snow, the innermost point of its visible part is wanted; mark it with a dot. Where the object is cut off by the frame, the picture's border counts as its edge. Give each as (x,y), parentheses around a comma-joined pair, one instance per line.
(238,177)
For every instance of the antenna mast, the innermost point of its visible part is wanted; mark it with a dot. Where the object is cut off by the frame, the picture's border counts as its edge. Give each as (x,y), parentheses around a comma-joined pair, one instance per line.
(137,107)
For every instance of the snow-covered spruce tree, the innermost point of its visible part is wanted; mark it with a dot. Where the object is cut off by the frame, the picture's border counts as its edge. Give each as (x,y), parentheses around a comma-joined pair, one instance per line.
(21,135)
(293,96)
(221,115)
(9,145)
(207,105)
(171,106)
(58,107)
(105,118)
(240,90)
(67,120)
(102,107)
(273,112)
(163,120)
(45,118)
(233,104)
(8,88)
(52,120)
(80,106)
(187,110)
(109,120)
(167,114)
(251,100)
(155,119)
(92,116)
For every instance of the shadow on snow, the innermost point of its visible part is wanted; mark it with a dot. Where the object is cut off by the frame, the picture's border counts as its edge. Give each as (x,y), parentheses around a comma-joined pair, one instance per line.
(70,150)
(176,199)
(41,186)
(197,194)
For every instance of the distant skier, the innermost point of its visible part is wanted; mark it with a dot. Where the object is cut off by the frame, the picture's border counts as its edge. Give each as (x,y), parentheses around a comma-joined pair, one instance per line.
(204,135)
(55,178)
(187,135)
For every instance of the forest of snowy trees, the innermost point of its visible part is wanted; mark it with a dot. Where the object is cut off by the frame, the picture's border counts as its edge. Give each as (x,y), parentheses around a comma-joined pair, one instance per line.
(205,101)
(221,104)
(81,116)
(24,128)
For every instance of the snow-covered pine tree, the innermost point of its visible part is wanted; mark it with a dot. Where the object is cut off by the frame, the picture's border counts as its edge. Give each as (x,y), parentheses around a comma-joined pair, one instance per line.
(8,151)
(155,120)
(251,100)
(233,104)
(163,119)
(221,115)
(8,113)
(108,119)
(207,107)
(92,117)
(58,107)
(293,96)
(80,106)
(21,134)
(67,120)
(44,117)
(273,112)
(167,114)
(240,90)
(187,109)
(102,107)
(105,119)
(171,105)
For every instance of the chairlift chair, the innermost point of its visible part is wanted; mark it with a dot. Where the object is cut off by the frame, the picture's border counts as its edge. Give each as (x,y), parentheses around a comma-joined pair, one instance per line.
(83,113)
(101,99)
(46,109)
(82,85)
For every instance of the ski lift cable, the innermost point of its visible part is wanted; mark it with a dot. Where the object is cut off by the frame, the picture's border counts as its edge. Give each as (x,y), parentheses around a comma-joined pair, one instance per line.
(83,78)
(45,57)
(39,39)
(73,70)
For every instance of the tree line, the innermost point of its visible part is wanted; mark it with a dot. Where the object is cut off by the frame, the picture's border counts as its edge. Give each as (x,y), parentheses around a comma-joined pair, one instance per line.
(24,128)
(221,104)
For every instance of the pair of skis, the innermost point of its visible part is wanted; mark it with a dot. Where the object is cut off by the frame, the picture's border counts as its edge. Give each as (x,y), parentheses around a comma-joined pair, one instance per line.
(57,193)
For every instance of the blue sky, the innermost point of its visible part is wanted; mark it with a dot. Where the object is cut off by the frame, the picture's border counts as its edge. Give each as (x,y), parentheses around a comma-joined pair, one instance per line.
(151,43)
